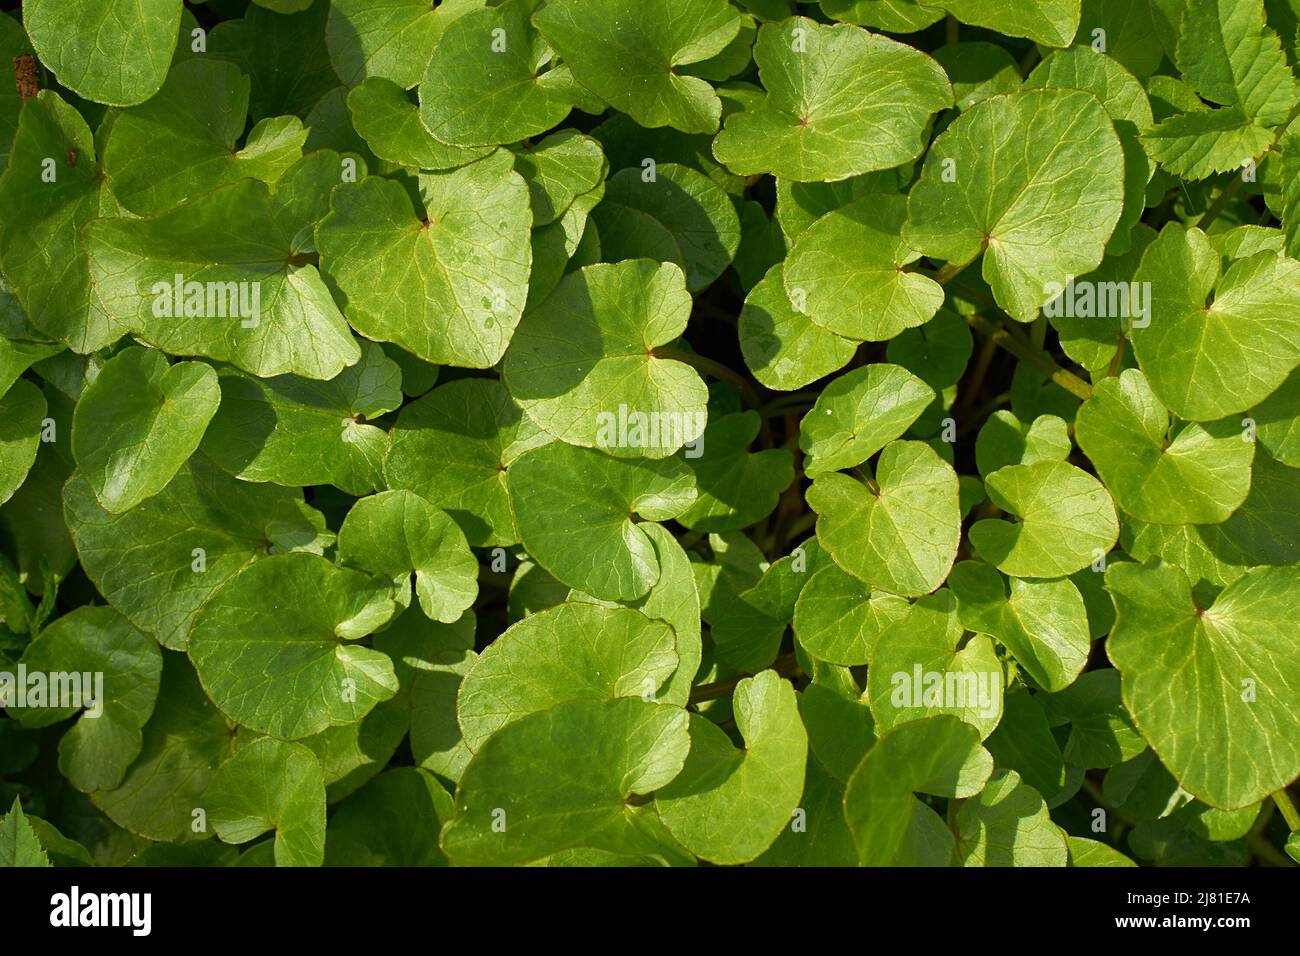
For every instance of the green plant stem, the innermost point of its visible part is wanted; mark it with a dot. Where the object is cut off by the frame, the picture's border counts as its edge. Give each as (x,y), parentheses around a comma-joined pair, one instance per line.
(716,369)
(948,272)
(1022,349)
(1289,812)
(786,404)
(1220,203)
(950,30)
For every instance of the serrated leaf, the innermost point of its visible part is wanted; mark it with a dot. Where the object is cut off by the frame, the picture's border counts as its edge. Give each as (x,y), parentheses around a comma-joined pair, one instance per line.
(137,423)
(1003,180)
(914,513)
(292,675)
(840,101)
(1207,685)
(19,845)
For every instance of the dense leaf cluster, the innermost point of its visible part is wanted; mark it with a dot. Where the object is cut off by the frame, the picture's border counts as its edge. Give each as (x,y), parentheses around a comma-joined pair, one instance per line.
(650,432)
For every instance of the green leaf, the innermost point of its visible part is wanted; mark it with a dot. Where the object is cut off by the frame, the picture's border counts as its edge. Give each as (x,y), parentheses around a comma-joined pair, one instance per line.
(22,413)
(224,276)
(1082,68)
(748,635)
(1066,520)
(159,562)
(1023,742)
(398,533)
(392,821)
(138,422)
(110,708)
(859,413)
(1002,180)
(1278,421)
(840,101)
(1224,339)
(295,431)
(561,778)
(110,51)
(271,785)
(1043,623)
(627,52)
(1005,440)
(485,83)
(785,349)
(728,806)
(1264,530)
(679,216)
(453,447)
(846,272)
(570,652)
(41,221)
(914,514)
(574,506)
(431,660)
(1200,477)
(977,70)
(393,40)
(939,755)
(293,675)
(1198,144)
(389,122)
(1085,852)
(736,488)
(1231,57)
(922,666)
(19,845)
(446,283)
(181,143)
(1207,685)
(1008,825)
(839,619)
(183,743)
(1049,22)
(1101,731)
(582,365)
